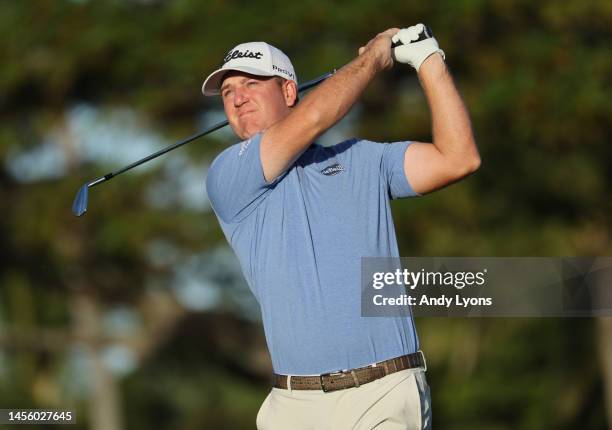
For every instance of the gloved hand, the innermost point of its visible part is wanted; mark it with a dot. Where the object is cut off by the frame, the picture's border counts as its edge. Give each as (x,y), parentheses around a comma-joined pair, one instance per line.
(414,44)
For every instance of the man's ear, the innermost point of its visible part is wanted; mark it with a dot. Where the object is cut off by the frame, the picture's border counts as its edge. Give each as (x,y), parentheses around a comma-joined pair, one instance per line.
(290,92)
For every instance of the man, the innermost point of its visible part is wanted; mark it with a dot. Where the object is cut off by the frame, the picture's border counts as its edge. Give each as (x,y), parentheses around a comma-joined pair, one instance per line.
(300,217)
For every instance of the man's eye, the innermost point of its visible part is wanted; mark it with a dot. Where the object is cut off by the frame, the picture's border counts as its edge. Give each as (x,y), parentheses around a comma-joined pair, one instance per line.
(252,83)
(226,93)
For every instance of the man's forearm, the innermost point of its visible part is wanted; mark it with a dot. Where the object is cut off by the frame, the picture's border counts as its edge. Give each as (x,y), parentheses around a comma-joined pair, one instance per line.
(286,140)
(452,131)
(335,97)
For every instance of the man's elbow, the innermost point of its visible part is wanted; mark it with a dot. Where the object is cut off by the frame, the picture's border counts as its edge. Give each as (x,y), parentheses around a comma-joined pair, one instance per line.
(311,119)
(473,163)
(467,164)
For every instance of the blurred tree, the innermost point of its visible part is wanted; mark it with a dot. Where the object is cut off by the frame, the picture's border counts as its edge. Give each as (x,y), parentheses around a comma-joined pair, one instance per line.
(88,86)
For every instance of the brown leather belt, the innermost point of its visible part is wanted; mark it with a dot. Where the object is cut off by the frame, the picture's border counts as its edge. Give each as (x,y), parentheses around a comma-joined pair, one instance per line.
(351,378)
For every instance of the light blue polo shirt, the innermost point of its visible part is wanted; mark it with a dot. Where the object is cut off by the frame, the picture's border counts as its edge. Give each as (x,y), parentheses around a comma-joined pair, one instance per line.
(300,240)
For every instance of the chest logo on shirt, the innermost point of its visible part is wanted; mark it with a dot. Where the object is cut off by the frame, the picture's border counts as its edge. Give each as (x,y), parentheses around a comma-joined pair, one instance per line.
(332,170)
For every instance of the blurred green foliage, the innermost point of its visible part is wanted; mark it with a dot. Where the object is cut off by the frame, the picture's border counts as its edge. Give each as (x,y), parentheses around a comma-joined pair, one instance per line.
(535,76)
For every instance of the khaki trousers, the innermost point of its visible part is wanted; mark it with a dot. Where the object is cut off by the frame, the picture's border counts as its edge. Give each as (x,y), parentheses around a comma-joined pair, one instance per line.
(397,401)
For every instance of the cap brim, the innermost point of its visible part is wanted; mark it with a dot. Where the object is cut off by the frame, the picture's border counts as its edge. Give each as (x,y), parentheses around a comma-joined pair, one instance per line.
(212,84)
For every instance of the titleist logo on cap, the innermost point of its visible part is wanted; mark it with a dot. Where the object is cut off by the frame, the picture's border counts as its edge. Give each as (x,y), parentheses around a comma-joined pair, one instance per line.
(242,54)
(255,58)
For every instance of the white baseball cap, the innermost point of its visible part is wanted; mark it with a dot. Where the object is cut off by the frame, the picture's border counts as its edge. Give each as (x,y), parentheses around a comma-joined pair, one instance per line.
(255,58)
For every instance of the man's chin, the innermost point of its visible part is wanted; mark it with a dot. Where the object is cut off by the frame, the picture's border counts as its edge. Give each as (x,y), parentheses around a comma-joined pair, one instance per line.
(248,134)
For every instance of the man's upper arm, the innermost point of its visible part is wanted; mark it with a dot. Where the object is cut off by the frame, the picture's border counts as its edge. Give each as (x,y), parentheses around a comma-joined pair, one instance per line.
(285,141)
(235,183)
(427,169)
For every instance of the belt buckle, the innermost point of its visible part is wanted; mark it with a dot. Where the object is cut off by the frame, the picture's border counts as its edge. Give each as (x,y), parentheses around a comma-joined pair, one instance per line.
(322,375)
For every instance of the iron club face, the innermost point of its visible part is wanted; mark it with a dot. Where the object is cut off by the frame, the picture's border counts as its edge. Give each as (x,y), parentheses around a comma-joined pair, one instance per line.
(79,206)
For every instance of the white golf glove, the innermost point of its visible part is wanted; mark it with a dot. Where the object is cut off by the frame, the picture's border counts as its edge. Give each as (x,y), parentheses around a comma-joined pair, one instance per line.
(414,44)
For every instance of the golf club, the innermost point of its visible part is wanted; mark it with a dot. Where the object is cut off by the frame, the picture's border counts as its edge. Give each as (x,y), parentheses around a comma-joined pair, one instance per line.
(79,206)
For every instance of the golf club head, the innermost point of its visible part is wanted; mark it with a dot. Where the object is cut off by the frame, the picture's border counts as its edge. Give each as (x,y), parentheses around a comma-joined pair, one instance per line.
(79,206)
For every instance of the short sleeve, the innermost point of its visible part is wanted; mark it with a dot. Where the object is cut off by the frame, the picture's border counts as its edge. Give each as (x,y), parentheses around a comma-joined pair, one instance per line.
(392,165)
(235,183)
(388,160)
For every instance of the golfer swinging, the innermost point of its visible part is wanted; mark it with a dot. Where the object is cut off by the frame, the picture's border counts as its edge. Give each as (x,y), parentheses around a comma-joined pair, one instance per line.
(301,216)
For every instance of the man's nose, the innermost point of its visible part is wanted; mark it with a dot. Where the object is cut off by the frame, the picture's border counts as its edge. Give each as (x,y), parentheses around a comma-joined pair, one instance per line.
(240,96)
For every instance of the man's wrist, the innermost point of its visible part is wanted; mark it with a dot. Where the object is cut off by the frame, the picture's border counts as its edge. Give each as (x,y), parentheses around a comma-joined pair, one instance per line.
(370,61)
(433,66)
(380,61)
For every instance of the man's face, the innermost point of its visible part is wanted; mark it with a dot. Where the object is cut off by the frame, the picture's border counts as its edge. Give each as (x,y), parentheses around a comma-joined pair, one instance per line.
(252,103)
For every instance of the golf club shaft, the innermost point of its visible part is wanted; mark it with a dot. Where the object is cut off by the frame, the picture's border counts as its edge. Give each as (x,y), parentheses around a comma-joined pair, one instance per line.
(305,86)
(158,153)
(79,206)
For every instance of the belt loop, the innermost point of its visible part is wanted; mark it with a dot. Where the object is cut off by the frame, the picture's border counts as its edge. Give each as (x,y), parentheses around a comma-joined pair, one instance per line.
(355,378)
(424,361)
(289,383)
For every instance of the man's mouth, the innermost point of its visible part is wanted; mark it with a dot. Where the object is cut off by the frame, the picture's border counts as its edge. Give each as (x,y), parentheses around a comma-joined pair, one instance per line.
(241,114)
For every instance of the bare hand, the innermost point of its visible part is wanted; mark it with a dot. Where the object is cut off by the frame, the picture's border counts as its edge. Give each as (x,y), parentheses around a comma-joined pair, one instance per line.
(380,48)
